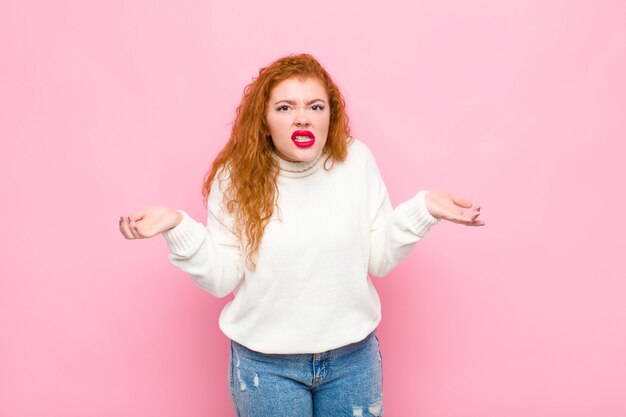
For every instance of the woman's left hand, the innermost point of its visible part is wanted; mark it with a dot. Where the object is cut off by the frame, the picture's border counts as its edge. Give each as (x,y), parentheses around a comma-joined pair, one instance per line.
(445,206)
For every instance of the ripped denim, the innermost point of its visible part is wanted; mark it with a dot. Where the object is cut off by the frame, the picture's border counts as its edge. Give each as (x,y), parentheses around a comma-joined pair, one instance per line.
(347,381)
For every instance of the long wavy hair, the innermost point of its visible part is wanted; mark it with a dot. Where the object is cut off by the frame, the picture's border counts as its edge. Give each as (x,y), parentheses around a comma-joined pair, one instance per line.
(246,159)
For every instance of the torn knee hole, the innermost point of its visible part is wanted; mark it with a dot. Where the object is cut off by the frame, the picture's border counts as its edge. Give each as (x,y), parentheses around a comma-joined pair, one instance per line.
(376,409)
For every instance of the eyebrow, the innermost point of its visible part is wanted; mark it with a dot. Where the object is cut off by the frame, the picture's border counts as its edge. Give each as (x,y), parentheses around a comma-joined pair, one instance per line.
(293,103)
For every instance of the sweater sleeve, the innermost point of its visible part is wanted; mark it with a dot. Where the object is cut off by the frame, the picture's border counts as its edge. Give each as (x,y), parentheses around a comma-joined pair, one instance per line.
(393,232)
(211,255)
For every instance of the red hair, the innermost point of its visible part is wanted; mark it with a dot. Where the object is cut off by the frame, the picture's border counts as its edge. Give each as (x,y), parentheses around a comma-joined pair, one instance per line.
(247,160)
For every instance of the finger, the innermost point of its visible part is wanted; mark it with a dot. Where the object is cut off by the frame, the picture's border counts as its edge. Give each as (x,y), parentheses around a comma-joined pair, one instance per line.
(140,231)
(144,230)
(133,229)
(477,223)
(460,201)
(135,217)
(465,220)
(125,229)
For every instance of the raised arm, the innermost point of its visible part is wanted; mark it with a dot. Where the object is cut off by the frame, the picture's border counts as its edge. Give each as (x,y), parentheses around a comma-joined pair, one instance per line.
(210,254)
(394,232)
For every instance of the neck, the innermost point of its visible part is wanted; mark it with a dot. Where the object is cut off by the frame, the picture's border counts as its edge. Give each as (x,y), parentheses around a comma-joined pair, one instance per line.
(299,169)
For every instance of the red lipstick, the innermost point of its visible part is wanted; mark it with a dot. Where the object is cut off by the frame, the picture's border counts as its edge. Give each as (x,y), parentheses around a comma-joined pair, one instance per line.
(303,138)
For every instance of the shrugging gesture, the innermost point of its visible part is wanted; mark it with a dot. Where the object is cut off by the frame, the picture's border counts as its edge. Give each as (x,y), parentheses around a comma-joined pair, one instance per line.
(298,221)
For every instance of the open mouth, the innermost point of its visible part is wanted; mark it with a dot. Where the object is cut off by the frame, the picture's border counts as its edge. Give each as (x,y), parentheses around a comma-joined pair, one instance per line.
(303,138)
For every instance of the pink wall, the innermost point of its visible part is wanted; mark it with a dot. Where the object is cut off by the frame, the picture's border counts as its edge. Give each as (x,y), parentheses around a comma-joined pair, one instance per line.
(108,107)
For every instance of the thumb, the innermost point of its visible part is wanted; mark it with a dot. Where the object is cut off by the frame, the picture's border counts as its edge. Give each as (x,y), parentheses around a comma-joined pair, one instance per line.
(462,202)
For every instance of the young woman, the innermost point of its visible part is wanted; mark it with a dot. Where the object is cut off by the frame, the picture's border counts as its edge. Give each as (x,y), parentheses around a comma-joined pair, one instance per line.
(298,219)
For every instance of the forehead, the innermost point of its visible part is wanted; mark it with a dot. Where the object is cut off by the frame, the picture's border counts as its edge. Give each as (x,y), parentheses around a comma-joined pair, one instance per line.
(296,87)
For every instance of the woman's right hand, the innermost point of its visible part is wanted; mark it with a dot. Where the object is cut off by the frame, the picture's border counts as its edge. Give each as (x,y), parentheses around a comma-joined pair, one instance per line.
(149,222)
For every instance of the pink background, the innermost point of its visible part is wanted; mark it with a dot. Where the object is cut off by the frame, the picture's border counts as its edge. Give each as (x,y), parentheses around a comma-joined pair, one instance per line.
(108,107)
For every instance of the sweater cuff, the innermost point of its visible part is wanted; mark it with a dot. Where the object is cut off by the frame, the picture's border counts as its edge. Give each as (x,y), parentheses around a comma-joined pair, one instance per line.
(186,237)
(419,218)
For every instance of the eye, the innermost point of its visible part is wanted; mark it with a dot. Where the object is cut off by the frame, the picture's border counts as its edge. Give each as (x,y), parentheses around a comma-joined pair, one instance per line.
(283,108)
(317,107)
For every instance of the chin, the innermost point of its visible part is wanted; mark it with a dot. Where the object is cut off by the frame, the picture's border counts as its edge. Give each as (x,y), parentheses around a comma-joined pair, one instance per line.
(307,155)
(299,155)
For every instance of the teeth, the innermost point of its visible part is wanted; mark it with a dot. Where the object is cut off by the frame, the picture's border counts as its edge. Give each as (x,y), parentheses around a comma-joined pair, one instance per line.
(302,138)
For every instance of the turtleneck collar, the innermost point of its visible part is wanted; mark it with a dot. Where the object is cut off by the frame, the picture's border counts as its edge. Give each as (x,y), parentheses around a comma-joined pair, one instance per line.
(299,169)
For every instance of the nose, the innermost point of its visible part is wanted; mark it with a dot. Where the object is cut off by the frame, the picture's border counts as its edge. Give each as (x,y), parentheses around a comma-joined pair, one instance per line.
(302,118)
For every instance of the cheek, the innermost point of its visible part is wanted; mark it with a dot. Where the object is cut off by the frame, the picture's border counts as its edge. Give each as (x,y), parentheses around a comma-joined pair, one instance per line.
(325,123)
(276,125)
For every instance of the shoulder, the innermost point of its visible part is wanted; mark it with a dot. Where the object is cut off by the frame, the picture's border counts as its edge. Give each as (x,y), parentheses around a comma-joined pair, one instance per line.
(222,179)
(358,149)
(359,152)
(220,188)
(360,159)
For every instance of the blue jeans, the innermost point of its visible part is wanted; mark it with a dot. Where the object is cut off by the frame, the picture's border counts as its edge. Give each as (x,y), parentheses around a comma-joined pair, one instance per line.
(346,381)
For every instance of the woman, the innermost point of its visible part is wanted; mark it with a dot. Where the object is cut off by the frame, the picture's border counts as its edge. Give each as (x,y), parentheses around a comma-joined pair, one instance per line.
(298,217)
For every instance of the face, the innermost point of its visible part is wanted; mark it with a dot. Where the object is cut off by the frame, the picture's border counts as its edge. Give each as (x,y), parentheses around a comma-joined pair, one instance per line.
(298,116)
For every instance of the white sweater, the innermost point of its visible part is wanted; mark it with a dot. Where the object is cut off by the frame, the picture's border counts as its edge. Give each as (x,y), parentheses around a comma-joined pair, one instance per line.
(311,291)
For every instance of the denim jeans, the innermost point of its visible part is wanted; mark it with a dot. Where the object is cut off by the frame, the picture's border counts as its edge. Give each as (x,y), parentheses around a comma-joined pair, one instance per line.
(346,381)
